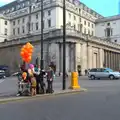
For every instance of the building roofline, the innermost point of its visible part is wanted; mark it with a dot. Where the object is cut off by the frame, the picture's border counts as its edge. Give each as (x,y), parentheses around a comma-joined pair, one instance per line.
(8,5)
(106,19)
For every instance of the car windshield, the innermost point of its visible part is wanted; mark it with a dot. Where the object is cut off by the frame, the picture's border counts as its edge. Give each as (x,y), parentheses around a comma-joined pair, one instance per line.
(108,69)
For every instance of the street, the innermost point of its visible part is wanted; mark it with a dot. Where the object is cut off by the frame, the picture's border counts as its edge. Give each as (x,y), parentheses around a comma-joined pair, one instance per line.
(100,102)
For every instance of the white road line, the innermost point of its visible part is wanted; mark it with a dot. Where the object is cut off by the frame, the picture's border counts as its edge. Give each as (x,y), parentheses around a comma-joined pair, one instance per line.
(2,81)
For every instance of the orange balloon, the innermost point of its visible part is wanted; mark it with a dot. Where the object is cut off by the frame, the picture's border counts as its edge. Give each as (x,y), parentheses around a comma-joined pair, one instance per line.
(28,44)
(22,53)
(22,49)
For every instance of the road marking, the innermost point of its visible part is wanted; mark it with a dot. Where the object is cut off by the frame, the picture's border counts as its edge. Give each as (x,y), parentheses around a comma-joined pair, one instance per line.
(2,81)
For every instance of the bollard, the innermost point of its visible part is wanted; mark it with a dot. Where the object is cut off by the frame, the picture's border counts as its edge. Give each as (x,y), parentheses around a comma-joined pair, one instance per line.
(74,81)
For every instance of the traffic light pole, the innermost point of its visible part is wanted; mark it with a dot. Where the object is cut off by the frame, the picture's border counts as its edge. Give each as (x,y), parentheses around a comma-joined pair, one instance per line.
(42,62)
(64,45)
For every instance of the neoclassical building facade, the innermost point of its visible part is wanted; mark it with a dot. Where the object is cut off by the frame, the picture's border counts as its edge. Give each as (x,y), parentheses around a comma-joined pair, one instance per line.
(20,22)
(84,50)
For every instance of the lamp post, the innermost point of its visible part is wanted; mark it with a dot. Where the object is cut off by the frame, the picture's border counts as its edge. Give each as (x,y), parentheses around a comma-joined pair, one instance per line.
(42,62)
(64,45)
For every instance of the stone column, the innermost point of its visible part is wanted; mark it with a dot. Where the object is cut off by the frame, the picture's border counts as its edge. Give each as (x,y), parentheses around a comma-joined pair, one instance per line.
(106,59)
(72,57)
(90,57)
(101,58)
(60,56)
(67,58)
(84,57)
(57,58)
(75,58)
(78,55)
(117,62)
(113,60)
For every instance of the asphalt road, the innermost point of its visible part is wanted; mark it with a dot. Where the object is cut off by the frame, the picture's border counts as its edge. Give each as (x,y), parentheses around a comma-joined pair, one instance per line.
(101,102)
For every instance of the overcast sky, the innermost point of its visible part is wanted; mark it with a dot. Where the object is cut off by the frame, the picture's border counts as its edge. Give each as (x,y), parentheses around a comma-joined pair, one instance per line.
(104,7)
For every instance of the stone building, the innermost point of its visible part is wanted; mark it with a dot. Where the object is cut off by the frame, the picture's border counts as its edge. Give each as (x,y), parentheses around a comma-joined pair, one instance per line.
(108,28)
(84,50)
(24,17)
(21,23)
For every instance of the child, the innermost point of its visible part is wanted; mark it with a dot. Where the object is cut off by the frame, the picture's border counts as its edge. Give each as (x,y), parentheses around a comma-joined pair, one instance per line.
(33,85)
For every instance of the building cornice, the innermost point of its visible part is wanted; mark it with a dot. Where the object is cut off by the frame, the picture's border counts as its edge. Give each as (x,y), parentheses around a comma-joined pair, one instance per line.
(58,33)
(69,5)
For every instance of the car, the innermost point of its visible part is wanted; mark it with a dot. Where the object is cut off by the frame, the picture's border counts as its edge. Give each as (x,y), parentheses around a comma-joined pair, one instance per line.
(2,74)
(98,73)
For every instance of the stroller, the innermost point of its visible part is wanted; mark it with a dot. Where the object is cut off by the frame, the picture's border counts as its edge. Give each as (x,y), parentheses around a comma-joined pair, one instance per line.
(23,87)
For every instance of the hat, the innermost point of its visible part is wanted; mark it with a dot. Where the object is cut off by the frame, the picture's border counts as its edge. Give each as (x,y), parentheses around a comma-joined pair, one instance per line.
(31,66)
(24,74)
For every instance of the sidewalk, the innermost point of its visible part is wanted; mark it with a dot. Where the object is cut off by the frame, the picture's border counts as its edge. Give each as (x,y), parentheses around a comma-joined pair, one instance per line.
(10,93)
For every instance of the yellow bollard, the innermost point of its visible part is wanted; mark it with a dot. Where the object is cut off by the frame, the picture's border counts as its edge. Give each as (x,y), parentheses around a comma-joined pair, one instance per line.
(74,81)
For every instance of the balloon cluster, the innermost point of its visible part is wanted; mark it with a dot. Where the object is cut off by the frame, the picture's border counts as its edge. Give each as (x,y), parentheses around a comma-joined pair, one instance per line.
(26,52)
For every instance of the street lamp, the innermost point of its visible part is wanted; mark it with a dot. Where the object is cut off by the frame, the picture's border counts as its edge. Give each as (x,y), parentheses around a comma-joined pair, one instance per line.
(42,66)
(64,45)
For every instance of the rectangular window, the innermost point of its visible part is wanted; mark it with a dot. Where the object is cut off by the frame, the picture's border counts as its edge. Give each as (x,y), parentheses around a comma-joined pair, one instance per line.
(84,22)
(69,15)
(18,21)
(43,14)
(18,30)
(49,23)
(6,31)
(79,19)
(92,26)
(43,24)
(23,29)
(74,27)
(49,12)
(36,16)
(5,22)
(13,22)
(88,32)
(74,17)
(14,31)
(84,30)
(88,24)
(78,27)
(37,26)
(23,20)
(108,32)
(92,33)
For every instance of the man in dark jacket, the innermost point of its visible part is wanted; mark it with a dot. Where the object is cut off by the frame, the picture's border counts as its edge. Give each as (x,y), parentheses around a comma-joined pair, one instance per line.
(50,74)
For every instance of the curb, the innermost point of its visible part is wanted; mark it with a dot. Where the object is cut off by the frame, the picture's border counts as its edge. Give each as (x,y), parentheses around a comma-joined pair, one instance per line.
(13,99)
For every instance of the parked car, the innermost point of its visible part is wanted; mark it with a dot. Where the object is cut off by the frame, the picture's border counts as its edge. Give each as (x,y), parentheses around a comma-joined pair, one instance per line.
(5,69)
(2,74)
(98,73)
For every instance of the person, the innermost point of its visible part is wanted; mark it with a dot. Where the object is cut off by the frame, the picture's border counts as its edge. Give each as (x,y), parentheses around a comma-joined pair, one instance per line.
(33,85)
(86,72)
(50,74)
(36,74)
(42,84)
(79,70)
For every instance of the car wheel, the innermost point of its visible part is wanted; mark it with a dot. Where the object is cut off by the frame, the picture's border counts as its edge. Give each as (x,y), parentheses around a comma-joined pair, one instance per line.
(92,77)
(111,77)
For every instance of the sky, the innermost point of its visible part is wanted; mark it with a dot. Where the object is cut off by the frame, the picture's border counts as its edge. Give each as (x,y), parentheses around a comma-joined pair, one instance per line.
(103,7)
